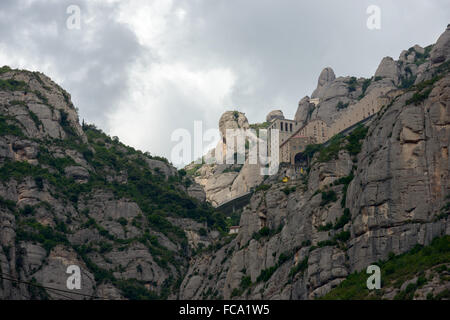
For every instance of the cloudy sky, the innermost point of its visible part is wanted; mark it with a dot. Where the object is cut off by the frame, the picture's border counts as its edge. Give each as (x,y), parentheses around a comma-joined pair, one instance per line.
(141,69)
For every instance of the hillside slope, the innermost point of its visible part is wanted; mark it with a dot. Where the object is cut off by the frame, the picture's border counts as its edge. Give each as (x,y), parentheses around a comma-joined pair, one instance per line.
(71,195)
(366,197)
(140,229)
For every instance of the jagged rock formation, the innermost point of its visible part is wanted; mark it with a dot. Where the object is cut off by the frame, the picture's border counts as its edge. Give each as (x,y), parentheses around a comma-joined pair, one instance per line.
(71,195)
(441,50)
(326,77)
(222,182)
(232,120)
(360,202)
(304,111)
(275,114)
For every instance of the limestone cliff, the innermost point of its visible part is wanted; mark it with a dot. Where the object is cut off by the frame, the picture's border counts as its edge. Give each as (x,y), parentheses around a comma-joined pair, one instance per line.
(379,192)
(140,229)
(71,195)
(222,182)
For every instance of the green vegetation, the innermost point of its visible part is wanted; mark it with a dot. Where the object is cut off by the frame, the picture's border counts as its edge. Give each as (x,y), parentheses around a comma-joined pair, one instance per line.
(266,232)
(343,220)
(7,128)
(423,89)
(311,149)
(300,267)
(332,150)
(288,190)
(233,169)
(194,169)
(263,187)
(352,84)
(246,282)
(325,227)
(342,236)
(354,145)
(42,97)
(17,103)
(444,212)
(351,143)
(408,81)
(326,243)
(35,118)
(266,274)
(159,197)
(259,126)
(419,96)
(395,271)
(10,205)
(122,221)
(133,289)
(346,182)
(328,197)
(420,58)
(365,85)
(154,195)
(341,105)
(12,85)
(202,232)
(31,230)
(4,69)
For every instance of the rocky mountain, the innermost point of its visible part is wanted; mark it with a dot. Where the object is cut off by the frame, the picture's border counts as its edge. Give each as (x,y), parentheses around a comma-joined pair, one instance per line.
(139,229)
(222,182)
(377,195)
(71,195)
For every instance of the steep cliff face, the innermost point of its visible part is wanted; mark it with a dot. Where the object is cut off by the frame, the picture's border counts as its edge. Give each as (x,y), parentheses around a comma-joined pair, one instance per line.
(71,195)
(222,182)
(140,229)
(335,94)
(369,196)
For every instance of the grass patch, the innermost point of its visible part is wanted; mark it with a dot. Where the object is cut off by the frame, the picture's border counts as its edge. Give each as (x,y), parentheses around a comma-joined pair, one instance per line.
(7,128)
(12,85)
(395,271)
(328,197)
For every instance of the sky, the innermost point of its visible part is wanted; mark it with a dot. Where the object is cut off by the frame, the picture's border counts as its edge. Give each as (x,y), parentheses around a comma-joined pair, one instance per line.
(140,70)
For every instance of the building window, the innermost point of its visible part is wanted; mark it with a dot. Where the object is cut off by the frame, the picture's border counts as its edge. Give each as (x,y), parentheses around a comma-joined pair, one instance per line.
(281,126)
(290,127)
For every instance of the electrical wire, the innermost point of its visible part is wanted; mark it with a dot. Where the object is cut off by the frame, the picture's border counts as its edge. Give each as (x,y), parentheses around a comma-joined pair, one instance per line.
(56,291)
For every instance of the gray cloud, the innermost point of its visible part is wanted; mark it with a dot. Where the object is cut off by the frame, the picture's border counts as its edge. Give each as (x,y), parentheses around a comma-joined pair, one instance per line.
(92,63)
(142,70)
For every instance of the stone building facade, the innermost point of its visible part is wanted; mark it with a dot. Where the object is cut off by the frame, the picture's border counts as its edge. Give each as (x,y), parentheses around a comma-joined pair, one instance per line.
(294,137)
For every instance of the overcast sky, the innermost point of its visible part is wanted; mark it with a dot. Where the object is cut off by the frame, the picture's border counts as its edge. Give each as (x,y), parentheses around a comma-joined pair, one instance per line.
(141,69)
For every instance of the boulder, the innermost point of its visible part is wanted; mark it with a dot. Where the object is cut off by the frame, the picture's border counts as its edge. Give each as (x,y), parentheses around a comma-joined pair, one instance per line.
(232,120)
(326,76)
(441,50)
(196,191)
(78,173)
(388,68)
(303,110)
(274,114)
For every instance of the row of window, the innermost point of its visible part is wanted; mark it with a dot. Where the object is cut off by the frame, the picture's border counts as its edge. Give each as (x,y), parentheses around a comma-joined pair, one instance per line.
(287,126)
